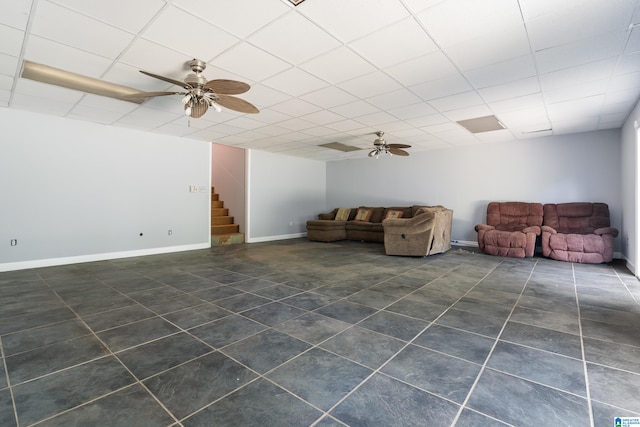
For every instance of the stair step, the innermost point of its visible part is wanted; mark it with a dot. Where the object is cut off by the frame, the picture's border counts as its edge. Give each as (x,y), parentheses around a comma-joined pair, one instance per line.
(227,239)
(220,220)
(219,212)
(217,204)
(224,229)
(215,196)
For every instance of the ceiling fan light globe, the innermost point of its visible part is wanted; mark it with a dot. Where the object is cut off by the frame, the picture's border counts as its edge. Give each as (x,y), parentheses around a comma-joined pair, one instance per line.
(186,98)
(216,107)
(187,110)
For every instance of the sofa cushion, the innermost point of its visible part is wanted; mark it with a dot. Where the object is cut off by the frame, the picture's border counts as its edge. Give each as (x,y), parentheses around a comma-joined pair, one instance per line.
(364,214)
(342,214)
(393,213)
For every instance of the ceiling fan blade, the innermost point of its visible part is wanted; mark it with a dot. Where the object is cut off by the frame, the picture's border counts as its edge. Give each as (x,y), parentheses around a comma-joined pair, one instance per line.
(398,152)
(198,109)
(144,95)
(236,104)
(398,146)
(55,76)
(227,87)
(168,80)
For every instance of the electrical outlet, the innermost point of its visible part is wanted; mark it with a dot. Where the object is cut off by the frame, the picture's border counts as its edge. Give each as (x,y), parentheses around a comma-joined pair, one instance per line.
(14,242)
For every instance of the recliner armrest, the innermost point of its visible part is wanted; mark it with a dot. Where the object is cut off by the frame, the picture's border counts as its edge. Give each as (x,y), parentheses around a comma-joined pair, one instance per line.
(550,230)
(416,224)
(606,230)
(532,229)
(485,227)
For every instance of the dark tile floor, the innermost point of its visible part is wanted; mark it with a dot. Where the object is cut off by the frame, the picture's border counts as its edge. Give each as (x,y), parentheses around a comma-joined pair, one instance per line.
(299,333)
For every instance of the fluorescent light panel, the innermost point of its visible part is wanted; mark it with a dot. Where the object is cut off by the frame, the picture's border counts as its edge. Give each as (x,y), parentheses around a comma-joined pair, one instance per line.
(340,147)
(481,124)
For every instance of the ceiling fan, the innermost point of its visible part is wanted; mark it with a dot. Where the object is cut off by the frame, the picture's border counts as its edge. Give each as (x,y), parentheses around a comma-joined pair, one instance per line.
(199,93)
(381,147)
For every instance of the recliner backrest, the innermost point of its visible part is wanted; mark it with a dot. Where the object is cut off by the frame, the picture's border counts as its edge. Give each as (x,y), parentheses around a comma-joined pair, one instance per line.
(576,217)
(512,216)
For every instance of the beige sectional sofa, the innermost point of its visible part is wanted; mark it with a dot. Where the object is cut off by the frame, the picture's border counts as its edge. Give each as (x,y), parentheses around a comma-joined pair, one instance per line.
(405,230)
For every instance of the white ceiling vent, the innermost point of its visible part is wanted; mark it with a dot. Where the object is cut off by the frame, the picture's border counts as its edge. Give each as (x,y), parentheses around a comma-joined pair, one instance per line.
(482,124)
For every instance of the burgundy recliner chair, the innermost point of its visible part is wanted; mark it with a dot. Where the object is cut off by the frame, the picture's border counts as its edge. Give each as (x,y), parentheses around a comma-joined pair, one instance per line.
(511,229)
(578,232)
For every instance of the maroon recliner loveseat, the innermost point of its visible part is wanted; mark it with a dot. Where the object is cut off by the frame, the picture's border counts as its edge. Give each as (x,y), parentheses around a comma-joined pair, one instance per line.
(578,232)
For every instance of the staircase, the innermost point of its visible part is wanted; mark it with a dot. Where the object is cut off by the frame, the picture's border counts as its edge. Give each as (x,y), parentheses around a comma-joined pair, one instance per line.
(223,230)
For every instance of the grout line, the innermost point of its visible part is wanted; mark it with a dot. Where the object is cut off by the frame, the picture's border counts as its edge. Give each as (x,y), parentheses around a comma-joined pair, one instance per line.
(582,350)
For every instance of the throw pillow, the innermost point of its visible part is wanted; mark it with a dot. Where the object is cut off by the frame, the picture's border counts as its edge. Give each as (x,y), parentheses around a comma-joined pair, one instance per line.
(342,214)
(392,213)
(364,214)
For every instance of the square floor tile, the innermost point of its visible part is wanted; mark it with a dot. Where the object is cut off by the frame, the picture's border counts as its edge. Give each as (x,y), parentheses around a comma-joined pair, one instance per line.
(197,315)
(520,402)
(319,377)
(227,330)
(437,373)
(312,327)
(543,339)
(273,313)
(614,387)
(462,344)
(258,404)
(137,333)
(199,382)
(364,346)
(394,325)
(266,350)
(383,401)
(346,311)
(165,353)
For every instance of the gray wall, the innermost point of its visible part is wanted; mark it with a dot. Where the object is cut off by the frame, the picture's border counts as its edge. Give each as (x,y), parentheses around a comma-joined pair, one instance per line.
(73,191)
(228,176)
(577,167)
(284,192)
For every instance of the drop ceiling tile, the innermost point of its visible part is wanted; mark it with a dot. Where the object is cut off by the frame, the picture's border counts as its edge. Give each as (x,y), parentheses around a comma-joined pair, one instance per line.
(246,123)
(429,67)
(518,103)
(329,97)
(322,117)
(502,72)
(94,115)
(581,74)
(582,90)
(532,9)
(273,130)
(395,99)
(57,55)
(584,107)
(6,83)
(396,43)
(277,39)
(173,129)
(295,82)
(271,116)
(15,13)
(376,119)
(149,56)
(629,63)
(348,20)
(79,31)
(453,102)
(345,125)
(412,111)
(580,52)
(458,137)
(296,124)
(355,109)
(11,40)
(131,76)
(8,64)
(514,89)
(295,107)
(175,29)
(570,25)
(242,59)
(490,48)
(504,135)
(338,65)
(420,5)
(468,113)
(46,91)
(430,120)
(22,101)
(118,13)
(633,44)
(370,85)
(104,103)
(455,21)
(239,18)
(446,86)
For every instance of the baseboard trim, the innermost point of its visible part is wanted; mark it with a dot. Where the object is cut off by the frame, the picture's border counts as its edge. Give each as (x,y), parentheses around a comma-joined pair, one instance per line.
(52,262)
(274,238)
(470,243)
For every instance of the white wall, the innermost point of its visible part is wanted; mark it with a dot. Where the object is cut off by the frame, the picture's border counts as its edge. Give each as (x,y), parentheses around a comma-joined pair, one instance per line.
(629,172)
(73,191)
(577,167)
(284,192)
(228,176)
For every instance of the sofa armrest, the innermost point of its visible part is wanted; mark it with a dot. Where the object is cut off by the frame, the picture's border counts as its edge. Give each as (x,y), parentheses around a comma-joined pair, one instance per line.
(416,224)
(532,229)
(328,215)
(484,227)
(606,230)
(550,230)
